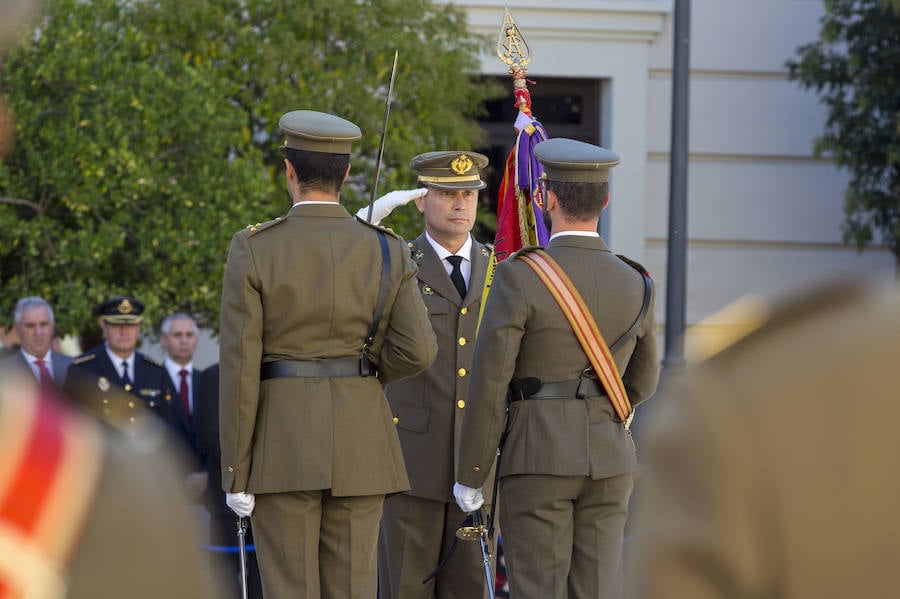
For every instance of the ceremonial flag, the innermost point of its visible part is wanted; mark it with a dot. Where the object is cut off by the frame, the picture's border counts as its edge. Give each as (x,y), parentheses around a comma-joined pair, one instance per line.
(520,198)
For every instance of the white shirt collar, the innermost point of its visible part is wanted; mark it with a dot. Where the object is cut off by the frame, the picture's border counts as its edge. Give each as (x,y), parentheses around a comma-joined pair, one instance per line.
(465,251)
(174,368)
(576,234)
(117,361)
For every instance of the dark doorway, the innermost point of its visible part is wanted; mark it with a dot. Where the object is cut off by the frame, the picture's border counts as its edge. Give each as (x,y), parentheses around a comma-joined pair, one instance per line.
(565,107)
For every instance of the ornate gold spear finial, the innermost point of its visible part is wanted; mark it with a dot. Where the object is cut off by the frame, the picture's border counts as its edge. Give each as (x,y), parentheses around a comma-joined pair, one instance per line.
(514,51)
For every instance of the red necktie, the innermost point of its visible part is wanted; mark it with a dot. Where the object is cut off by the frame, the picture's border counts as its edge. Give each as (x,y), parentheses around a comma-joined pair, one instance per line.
(46,377)
(183,392)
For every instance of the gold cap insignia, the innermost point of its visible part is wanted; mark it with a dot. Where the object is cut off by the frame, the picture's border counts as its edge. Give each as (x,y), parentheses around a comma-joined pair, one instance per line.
(461,165)
(125,307)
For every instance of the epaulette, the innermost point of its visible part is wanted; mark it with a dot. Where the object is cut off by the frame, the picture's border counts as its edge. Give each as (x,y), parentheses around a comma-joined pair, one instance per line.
(524,250)
(378,227)
(150,360)
(258,227)
(635,265)
(84,358)
(757,317)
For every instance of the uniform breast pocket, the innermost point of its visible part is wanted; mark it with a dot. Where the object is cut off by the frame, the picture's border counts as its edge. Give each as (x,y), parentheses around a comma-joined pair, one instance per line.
(436,304)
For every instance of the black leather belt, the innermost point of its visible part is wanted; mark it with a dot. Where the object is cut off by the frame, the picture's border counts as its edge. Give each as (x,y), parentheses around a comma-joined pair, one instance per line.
(316,368)
(575,389)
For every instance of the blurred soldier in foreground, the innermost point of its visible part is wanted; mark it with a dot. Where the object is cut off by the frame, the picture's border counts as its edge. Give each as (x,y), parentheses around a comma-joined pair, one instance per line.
(319,311)
(567,463)
(419,527)
(34,323)
(772,465)
(87,513)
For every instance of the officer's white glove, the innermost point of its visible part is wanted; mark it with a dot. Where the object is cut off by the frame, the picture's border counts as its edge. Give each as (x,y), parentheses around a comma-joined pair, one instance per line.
(467,498)
(386,203)
(241,504)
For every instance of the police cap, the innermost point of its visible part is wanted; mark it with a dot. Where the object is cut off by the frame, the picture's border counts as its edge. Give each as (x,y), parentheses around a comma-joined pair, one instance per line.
(450,169)
(575,161)
(121,309)
(318,132)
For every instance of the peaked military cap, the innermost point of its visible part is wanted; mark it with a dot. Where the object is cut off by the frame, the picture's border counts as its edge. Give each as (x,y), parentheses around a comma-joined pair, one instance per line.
(450,169)
(575,161)
(318,132)
(121,309)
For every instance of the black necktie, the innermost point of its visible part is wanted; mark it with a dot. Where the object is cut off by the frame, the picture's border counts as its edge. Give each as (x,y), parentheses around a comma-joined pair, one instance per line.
(456,275)
(125,379)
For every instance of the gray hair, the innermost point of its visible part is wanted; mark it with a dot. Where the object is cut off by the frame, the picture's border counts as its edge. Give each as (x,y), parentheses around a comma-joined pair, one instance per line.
(27,303)
(166,325)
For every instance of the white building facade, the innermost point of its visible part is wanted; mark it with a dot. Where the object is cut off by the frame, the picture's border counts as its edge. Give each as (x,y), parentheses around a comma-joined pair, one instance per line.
(764,215)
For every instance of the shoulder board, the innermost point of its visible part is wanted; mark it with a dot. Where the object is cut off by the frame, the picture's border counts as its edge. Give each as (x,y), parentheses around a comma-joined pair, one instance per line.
(150,360)
(758,317)
(84,358)
(525,250)
(377,227)
(635,265)
(263,226)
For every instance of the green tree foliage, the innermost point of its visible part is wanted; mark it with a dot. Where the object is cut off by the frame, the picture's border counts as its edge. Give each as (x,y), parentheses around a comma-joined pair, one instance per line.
(855,69)
(146,133)
(336,56)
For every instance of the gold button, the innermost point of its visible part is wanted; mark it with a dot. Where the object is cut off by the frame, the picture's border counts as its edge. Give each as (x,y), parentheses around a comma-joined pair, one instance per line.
(476,468)
(461,372)
(396,420)
(128,387)
(231,468)
(131,419)
(462,340)
(130,404)
(464,311)
(461,404)
(105,400)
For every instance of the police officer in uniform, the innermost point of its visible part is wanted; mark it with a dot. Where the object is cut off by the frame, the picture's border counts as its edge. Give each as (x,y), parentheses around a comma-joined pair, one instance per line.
(309,447)
(566,467)
(120,384)
(418,528)
(771,465)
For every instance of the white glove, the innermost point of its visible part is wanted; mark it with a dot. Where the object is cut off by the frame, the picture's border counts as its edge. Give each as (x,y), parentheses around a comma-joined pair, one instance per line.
(467,498)
(241,504)
(386,203)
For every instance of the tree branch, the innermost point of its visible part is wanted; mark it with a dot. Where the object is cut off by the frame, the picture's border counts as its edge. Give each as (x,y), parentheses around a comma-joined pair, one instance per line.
(22,202)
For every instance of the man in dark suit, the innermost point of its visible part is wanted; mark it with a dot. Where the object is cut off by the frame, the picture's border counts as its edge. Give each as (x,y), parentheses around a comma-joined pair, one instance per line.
(567,463)
(314,305)
(98,377)
(34,323)
(419,527)
(179,335)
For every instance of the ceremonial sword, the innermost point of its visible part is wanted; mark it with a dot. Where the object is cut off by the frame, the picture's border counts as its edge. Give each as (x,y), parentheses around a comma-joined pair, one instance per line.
(378,160)
(242,549)
(480,531)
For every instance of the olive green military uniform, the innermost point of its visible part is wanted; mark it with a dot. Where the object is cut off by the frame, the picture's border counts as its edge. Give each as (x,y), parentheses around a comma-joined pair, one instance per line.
(771,467)
(318,452)
(419,526)
(566,465)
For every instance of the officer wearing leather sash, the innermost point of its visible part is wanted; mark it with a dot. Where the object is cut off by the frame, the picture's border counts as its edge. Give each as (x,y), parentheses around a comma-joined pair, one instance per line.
(566,468)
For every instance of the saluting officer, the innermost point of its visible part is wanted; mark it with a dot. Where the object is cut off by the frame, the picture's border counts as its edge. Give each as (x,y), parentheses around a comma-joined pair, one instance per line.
(314,306)
(419,527)
(120,384)
(566,467)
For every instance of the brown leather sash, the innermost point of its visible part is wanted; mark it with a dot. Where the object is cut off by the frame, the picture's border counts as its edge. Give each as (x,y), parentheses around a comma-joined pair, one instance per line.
(583,325)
